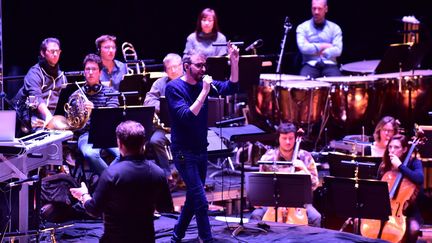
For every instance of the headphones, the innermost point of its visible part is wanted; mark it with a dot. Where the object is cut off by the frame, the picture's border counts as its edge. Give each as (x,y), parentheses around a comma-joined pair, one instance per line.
(95,88)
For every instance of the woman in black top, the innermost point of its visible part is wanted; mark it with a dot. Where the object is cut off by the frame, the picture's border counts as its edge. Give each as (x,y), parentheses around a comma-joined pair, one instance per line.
(394,156)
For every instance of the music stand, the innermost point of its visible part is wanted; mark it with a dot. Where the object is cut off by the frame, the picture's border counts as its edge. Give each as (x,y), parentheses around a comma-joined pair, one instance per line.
(240,135)
(133,82)
(249,70)
(360,198)
(278,189)
(398,57)
(216,110)
(104,121)
(215,106)
(75,76)
(65,93)
(164,115)
(425,150)
(343,165)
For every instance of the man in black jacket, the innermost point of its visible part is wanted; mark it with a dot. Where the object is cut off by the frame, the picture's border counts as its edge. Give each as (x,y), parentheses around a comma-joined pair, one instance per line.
(128,191)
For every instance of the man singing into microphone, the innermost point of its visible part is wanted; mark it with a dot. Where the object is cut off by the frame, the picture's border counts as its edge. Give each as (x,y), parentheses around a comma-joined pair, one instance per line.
(188,107)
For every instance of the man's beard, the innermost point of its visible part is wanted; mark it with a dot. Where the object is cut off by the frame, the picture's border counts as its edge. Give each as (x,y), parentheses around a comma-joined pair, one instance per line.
(197,76)
(289,150)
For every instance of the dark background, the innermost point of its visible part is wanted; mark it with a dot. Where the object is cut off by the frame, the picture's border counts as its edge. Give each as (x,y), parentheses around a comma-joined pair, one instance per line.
(158,27)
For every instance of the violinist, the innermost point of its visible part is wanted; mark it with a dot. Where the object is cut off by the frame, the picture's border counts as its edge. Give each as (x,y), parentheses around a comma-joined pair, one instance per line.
(394,154)
(304,163)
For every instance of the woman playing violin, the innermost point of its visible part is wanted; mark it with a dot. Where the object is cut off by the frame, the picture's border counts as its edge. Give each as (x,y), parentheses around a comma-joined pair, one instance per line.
(394,154)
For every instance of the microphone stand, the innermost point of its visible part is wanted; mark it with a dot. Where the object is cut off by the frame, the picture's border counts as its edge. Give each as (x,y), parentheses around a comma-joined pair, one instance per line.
(122,95)
(287,27)
(2,93)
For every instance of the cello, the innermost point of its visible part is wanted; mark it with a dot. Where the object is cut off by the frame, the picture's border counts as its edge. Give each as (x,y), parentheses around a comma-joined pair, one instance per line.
(400,191)
(289,215)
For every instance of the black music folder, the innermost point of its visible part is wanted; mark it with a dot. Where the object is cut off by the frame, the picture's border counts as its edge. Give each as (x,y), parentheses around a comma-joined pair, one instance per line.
(399,57)
(249,70)
(278,189)
(344,165)
(134,82)
(215,111)
(65,93)
(104,121)
(369,199)
(164,115)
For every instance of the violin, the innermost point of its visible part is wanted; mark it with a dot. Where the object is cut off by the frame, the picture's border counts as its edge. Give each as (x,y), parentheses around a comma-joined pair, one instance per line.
(400,191)
(286,214)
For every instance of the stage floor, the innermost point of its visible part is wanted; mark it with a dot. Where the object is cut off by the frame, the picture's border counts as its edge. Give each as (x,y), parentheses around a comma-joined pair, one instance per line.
(91,231)
(222,191)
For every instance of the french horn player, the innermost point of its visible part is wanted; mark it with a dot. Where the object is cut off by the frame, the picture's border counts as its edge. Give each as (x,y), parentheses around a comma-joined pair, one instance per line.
(158,141)
(84,100)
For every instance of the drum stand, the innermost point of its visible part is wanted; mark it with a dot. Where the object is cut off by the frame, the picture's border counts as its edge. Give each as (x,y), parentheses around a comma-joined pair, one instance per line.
(325,117)
(230,170)
(410,85)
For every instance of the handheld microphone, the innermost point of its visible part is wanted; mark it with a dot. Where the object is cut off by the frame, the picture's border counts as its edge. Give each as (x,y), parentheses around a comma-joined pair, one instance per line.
(214,87)
(256,44)
(29,179)
(208,77)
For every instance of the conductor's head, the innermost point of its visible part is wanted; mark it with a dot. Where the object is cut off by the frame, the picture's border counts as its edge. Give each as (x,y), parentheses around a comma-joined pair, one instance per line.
(130,138)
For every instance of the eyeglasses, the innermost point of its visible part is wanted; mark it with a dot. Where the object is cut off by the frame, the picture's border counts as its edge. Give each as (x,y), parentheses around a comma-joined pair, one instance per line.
(91,69)
(388,130)
(173,67)
(107,48)
(200,65)
(54,51)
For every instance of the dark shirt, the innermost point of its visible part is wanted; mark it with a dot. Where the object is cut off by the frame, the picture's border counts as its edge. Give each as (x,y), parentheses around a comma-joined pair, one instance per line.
(189,132)
(413,171)
(127,194)
(99,100)
(43,86)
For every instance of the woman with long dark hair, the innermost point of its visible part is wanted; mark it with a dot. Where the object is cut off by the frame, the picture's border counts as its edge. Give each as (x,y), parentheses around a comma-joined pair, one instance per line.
(206,33)
(394,155)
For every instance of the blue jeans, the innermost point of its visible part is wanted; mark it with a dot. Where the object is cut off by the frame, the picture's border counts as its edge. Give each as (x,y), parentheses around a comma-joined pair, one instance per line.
(327,70)
(92,155)
(192,167)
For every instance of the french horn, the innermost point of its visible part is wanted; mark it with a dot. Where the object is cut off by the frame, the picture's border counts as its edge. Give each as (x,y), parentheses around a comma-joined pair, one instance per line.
(76,114)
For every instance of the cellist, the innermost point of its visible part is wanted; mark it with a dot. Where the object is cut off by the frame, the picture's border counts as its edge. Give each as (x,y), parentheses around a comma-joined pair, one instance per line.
(304,163)
(394,154)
